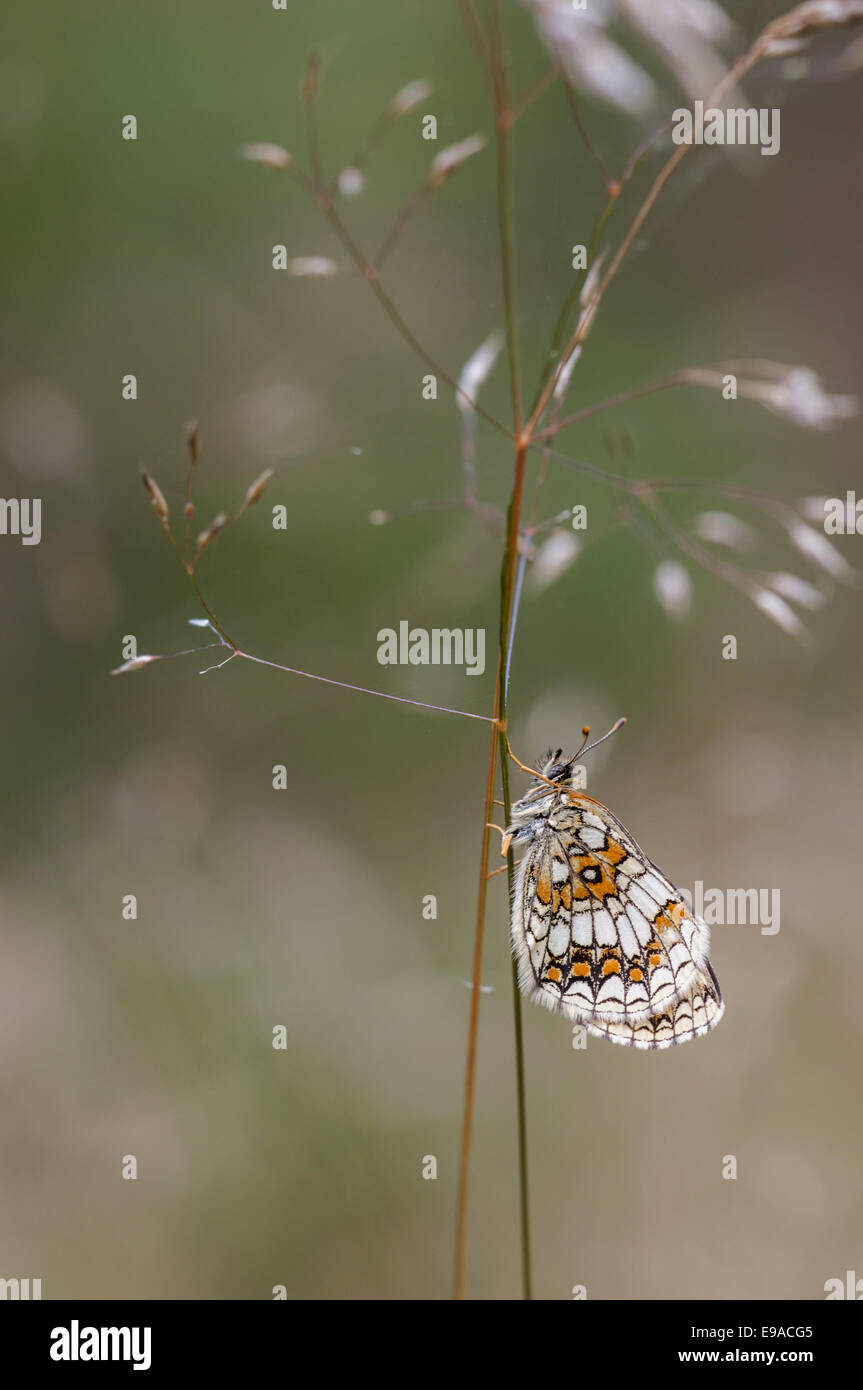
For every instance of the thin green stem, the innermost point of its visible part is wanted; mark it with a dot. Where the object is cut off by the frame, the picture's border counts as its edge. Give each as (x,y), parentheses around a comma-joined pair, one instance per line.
(496,56)
(508,572)
(463,1198)
(521,1099)
(209,612)
(503,123)
(503,126)
(523,1190)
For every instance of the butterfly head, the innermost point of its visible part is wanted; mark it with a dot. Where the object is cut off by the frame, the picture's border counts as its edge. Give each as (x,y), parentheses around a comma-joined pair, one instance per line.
(554,767)
(556,774)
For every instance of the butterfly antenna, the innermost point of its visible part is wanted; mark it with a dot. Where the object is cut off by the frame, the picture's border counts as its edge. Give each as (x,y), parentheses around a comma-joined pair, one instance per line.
(618,724)
(585,735)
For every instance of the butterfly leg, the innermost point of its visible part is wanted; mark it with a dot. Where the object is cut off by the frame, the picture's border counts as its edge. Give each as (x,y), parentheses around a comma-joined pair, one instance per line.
(532,772)
(503,868)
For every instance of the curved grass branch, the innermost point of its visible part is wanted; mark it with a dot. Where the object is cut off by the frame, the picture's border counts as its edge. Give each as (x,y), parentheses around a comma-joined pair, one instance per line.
(578,121)
(317,185)
(756,54)
(477,38)
(542,83)
(622,398)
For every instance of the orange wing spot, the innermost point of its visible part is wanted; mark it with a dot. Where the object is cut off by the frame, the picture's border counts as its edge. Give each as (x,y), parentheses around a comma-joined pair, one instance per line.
(581,969)
(605,888)
(671,916)
(611,966)
(636,974)
(615,854)
(601,884)
(579,891)
(543,887)
(654,960)
(561,895)
(552,973)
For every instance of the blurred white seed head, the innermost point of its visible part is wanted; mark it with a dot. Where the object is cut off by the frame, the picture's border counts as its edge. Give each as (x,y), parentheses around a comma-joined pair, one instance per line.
(591,60)
(134,664)
(591,280)
(817,548)
(795,589)
(409,96)
(312,265)
(261,152)
(474,372)
(553,558)
(804,20)
(721,528)
(379,517)
(256,488)
(794,392)
(687,36)
(218,524)
(779,612)
(801,398)
(351,182)
(477,368)
(813,508)
(156,495)
(672,586)
(452,158)
(795,68)
(561,386)
(587,297)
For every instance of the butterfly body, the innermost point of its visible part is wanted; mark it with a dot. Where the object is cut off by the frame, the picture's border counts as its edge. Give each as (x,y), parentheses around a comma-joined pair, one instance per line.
(599,932)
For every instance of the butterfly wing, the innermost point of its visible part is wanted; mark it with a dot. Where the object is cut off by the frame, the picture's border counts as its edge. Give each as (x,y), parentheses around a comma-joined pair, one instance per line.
(602,936)
(690,1016)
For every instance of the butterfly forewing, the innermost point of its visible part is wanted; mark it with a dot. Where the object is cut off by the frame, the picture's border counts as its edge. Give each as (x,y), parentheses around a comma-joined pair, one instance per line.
(600,934)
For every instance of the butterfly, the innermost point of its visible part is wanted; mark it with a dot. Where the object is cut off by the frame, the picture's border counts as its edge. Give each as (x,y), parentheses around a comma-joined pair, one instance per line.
(598,931)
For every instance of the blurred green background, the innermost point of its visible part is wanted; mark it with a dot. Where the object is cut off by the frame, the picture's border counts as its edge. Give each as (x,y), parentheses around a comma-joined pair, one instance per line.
(304,908)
